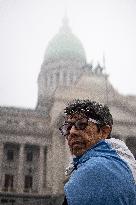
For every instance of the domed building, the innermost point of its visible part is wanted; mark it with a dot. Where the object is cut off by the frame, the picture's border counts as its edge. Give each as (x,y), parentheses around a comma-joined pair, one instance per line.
(62,65)
(33,154)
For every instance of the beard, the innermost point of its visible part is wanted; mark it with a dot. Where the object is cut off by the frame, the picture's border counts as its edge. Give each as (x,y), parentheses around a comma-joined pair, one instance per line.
(77,148)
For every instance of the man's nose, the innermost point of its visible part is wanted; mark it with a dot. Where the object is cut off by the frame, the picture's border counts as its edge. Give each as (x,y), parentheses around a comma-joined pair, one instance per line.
(72,133)
(73,129)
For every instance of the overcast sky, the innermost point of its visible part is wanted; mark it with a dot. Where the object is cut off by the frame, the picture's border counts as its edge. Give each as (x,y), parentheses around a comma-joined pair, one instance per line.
(26,26)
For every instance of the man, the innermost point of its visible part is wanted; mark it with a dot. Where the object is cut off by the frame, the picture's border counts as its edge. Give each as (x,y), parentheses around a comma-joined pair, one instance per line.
(104,170)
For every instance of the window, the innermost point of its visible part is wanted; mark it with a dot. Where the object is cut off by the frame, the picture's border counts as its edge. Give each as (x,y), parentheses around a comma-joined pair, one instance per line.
(29,156)
(51,80)
(8,181)
(4,201)
(10,155)
(57,78)
(131,143)
(28,182)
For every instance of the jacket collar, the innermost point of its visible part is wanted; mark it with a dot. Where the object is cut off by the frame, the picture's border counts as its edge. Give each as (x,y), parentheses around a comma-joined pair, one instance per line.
(98,149)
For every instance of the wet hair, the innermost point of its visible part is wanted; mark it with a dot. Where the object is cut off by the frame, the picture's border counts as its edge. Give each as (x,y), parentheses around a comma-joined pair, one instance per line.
(90,109)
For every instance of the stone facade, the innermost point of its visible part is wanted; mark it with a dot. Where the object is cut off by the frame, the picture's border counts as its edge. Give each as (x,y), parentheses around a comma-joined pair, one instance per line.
(33,154)
(25,152)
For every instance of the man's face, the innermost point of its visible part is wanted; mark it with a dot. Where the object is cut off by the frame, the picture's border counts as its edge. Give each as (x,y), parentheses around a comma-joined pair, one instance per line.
(79,140)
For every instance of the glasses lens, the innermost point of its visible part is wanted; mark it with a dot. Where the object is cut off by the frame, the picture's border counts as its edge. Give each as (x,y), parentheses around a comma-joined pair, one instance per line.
(81,125)
(66,128)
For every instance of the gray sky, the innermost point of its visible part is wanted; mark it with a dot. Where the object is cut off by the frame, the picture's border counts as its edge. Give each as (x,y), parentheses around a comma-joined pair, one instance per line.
(26,26)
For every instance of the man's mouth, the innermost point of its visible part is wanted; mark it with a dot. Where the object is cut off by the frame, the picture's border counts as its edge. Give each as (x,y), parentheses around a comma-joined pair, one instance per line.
(75,143)
(75,140)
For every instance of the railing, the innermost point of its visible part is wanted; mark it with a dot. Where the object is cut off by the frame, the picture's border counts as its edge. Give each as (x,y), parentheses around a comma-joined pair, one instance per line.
(8,189)
(31,191)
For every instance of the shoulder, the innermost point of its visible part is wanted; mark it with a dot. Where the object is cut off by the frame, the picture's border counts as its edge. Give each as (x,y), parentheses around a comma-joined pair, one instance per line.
(95,164)
(102,170)
(93,179)
(93,167)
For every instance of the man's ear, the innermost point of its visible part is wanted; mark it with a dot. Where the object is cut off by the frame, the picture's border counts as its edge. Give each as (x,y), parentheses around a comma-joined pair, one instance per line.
(106,130)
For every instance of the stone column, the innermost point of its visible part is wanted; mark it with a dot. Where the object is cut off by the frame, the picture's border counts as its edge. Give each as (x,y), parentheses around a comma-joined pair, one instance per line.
(68,79)
(64,77)
(20,184)
(1,160)
(47,81)
(41,170)
(74,77)
(61,77)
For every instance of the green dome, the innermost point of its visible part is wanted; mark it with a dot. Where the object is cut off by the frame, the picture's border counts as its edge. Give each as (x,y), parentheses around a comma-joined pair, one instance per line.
(65,45)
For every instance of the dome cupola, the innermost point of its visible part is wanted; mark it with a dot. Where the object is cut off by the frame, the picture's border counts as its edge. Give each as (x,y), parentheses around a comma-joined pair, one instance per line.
(63,64)
(65,45)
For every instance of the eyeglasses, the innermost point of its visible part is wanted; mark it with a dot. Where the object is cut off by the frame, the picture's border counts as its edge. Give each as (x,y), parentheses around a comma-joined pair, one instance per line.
(79,125)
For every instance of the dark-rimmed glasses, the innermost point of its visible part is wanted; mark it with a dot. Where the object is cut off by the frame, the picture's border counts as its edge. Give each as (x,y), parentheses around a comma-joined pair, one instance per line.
(80,124)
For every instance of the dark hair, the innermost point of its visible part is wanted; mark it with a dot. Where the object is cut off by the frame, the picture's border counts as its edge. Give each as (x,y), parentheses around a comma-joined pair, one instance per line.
(90,109)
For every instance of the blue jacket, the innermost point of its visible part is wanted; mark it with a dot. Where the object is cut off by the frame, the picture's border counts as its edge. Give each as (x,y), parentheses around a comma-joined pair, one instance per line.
(104,175)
